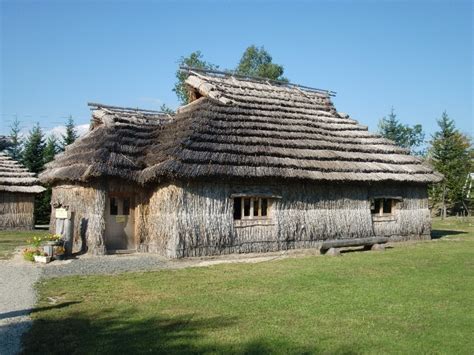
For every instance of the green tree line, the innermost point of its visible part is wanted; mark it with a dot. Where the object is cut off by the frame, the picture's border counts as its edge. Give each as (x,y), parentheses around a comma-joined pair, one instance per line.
(34,151)
(448,150)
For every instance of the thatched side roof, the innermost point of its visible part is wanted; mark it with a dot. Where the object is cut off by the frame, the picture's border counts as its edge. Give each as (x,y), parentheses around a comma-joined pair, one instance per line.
(256,129)
(14,177)
(114,146)
(237,128)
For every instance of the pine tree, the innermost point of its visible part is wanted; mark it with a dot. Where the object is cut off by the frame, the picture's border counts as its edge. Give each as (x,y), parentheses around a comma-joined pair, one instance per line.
(450,155)
(71,133)
(51,149)
(43,201)
(405,136)
(14,149)
(32,156)
(4,143)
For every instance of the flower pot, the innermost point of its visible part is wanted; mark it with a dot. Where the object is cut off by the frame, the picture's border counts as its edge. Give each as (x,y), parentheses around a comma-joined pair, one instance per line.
(42,259)
(53,243)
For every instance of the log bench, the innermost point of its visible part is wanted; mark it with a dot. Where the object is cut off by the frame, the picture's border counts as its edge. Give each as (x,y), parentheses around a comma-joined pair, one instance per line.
(331,246)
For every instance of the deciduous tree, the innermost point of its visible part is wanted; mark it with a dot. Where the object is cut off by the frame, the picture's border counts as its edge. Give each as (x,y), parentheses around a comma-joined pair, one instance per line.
(194,60)
(258,62)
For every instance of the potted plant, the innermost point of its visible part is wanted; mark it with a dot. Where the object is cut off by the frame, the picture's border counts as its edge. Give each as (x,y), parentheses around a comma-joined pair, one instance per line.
(53,239)
(42,258)
(29,253)
(59,253)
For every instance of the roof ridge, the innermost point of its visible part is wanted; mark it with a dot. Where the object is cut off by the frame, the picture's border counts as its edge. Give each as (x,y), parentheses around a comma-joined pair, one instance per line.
(95,105)
(256,79)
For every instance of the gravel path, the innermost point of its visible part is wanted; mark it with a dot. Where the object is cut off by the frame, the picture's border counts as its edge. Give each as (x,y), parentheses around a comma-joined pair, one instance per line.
(17,298)
(108,264)
(113,264)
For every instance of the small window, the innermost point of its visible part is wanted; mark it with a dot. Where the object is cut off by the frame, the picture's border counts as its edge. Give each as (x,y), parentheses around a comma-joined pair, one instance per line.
(256,202)
(264,207)
(250,208)
(375,206)
(382,206)
(126,206)
(237,208)
(247,207)
(113,206)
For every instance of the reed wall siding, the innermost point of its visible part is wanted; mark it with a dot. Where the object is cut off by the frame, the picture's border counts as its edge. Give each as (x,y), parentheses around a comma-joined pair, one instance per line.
(88,205)
(196,219)
(16,211)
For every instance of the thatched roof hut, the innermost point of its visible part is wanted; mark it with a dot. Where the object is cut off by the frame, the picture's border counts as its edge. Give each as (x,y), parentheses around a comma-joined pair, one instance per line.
(17,190)
(248,165)
(241,128)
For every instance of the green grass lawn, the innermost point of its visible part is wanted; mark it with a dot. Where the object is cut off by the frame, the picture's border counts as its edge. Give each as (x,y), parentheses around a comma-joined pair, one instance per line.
(9,240)
(413,298)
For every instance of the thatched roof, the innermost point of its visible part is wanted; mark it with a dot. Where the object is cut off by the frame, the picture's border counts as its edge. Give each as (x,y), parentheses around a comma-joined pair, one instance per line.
(14,177)
(238,128)
(114,146)
(254,129)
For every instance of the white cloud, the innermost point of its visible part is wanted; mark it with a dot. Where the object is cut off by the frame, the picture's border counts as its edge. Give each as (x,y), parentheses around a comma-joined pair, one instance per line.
(59,131)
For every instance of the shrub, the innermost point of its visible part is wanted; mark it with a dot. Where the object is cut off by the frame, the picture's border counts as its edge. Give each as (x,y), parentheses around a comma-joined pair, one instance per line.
(29,253)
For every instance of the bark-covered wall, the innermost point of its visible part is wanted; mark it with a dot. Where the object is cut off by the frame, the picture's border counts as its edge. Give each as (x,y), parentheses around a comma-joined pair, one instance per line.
(196,218)
(16,211)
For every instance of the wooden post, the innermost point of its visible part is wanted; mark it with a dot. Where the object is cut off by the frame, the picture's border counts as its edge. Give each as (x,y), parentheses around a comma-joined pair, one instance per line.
(443,212)
(65,227)
(69,233)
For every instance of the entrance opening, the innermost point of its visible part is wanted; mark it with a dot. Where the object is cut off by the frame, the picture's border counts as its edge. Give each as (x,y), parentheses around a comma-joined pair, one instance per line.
(119,223)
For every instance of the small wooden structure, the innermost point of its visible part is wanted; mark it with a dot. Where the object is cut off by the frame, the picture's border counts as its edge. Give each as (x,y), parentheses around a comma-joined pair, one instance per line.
(249,165)
(17,195)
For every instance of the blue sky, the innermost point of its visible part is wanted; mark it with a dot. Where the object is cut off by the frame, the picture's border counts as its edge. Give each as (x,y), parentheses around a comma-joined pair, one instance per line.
(58,55)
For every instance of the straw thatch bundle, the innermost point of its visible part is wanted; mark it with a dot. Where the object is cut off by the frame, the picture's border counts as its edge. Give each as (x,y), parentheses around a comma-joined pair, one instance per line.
(17,189)
(114,147)
(242,129)
(245,129)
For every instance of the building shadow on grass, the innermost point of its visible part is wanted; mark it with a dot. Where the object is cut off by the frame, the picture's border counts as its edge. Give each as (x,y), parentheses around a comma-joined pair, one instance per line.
(132,332)
(439,233)
(27,311)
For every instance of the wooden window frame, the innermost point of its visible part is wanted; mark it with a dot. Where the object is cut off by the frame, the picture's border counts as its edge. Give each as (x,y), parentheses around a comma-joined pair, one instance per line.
(381,202)
(254,201)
